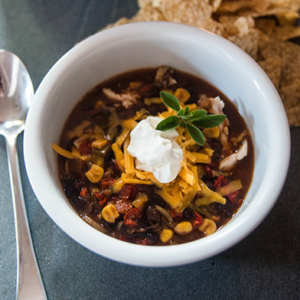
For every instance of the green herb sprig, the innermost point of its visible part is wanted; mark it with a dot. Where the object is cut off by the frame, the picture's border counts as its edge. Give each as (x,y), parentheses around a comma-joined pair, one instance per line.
(192,120)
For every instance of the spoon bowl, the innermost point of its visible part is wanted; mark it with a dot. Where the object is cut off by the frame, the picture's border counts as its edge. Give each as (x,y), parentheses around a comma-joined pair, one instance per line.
(16,94)
(16,90)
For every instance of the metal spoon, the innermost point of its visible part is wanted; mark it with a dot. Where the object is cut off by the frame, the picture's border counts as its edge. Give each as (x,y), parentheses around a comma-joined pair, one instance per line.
(16,94)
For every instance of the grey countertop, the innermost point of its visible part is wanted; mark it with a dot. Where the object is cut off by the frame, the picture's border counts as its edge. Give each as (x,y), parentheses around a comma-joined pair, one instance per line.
(265,265)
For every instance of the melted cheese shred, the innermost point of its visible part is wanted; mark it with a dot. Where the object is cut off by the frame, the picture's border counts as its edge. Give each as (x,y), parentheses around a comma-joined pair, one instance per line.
(183,189)
(177,193)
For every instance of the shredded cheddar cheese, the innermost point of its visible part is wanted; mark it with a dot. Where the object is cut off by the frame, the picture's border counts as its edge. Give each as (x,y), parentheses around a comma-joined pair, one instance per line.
(179,192)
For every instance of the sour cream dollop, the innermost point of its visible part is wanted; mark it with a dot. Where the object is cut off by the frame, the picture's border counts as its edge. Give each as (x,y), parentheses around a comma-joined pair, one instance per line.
(156,151)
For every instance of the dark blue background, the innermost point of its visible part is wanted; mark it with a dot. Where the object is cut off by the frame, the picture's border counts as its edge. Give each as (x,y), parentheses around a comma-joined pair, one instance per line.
(265,265)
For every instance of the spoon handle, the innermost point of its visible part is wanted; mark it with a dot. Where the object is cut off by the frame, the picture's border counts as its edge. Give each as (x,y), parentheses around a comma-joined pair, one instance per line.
(29,281)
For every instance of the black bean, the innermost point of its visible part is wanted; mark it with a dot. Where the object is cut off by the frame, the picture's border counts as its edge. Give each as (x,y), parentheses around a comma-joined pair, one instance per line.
(152,214)
(145,188)
(209,183)
(70,189)
(152,238)
(188,213)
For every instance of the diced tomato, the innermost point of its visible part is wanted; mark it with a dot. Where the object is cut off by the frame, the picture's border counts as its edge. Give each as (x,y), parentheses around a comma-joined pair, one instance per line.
(130,223)
(99,195)
(106,183)
(116,164)
(122,206)
(85,147)
(174,214)
(145,88)
(198,219)
(128,191)
(142,242)
(208,171)
(233,196)
(123,238)
(103,202)
(220,182)
(83,192)
(239,202)
(131,216)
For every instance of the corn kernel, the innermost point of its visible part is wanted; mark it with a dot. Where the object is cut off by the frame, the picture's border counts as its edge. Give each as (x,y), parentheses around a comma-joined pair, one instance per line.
(168,91)
(212,133)
(183,228)
(166,235)
(182,95)
(94,174)
(110,213)
(155,100)
(140,201)
(208,227)
(135,85)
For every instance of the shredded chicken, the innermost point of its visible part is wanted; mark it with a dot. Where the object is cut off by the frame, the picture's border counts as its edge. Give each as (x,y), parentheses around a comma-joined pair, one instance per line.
(228,162)
(239,138)
(163,77)
(215,106)
(127,99)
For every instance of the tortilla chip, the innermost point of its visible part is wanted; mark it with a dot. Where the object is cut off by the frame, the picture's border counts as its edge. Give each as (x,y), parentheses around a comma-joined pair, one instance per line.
(286,32)
(233,6)
(215,4)
(142,3)
(290,94)
(212,26)
(266,25)
(148,13)
(191,12)
(293,115)
(290,55)
(272,67)
(248,43)
(287,18)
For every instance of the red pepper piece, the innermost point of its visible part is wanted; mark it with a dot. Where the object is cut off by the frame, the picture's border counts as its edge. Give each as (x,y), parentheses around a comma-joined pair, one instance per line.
(100,196)
(131,216)
(233,196)
(83,192)
(220,182)
(122,206)
(128,191)
(85,147)
(103,202)
(123,238)
(198,219)
(208,171)
(174,214)
(130,223)
(145,88)
(117,167)
(142,242)
(239,202)
(106,183)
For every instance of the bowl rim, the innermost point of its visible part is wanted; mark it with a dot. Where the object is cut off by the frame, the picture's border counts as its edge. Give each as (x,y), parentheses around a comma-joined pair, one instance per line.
(159,256)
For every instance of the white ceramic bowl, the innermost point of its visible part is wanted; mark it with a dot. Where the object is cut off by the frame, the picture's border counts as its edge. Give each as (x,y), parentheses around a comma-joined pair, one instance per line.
(142,45)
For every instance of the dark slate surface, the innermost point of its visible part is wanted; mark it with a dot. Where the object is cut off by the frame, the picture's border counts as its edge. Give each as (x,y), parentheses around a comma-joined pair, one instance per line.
(265,265)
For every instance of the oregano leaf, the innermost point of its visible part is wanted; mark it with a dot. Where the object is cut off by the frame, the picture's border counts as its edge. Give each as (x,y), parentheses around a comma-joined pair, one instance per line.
(197,114)
(170,100)
(210,121)
(169,123)
(196,134)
